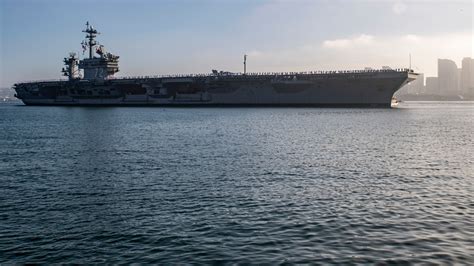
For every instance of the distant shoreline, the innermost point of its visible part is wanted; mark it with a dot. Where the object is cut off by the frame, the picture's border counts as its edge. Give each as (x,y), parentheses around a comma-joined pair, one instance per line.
(414,97)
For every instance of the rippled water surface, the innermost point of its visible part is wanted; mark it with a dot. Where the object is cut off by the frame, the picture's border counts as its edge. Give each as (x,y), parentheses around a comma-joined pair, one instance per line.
(249,185)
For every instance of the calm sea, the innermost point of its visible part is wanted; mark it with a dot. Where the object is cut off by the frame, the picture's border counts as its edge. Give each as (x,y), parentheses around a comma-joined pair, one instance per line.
(237,185)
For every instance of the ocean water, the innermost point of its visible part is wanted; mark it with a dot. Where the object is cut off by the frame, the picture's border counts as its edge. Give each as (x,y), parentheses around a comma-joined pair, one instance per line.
(237,185)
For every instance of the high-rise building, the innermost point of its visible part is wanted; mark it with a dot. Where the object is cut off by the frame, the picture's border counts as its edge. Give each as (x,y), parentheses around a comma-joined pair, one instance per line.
(414,87)
(417,86)
(459,81)
(431,85)
(447,77)
(467,77)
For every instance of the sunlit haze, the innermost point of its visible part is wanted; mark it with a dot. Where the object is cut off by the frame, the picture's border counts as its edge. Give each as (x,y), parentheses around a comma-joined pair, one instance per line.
(166,37)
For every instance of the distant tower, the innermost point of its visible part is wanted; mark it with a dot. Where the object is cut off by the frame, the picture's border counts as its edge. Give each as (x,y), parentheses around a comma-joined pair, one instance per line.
(245,64)
(467,76)
(431,85)
(447,77)
(409,60)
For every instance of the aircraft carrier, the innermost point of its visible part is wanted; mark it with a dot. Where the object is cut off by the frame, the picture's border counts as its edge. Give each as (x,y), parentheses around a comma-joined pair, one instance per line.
(91,82)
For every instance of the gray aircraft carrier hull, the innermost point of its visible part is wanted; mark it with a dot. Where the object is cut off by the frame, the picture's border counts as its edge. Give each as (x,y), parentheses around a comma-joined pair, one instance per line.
(310,89)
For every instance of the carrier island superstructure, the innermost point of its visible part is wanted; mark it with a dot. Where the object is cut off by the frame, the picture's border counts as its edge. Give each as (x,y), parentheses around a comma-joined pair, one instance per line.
(97,86)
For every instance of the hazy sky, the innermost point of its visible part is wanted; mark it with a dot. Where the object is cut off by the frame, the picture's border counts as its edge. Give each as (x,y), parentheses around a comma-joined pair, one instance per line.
(178,36)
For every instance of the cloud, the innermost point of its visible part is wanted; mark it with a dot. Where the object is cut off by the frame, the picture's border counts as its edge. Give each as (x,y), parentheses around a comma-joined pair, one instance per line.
(362,39)
(412,38)
(399,8)
(365,40)
(366,50)
(393,50)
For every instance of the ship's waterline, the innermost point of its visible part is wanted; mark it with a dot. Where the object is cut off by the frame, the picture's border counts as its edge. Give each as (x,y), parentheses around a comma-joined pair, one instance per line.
(372,88)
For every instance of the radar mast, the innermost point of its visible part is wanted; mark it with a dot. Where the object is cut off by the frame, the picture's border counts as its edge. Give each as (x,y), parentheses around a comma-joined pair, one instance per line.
(97,68)
(91,34)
